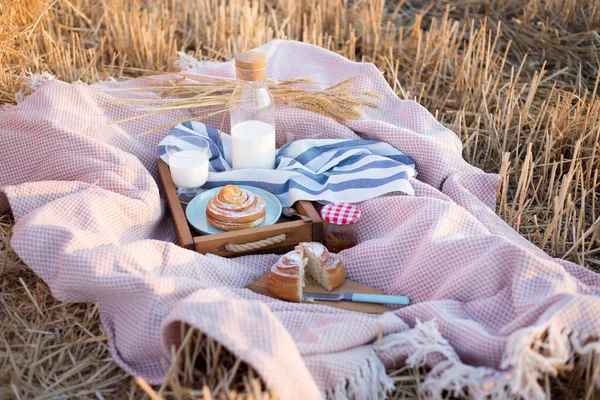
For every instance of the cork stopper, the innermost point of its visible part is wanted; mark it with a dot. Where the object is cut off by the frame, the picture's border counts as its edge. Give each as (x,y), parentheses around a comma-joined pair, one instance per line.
(250,65)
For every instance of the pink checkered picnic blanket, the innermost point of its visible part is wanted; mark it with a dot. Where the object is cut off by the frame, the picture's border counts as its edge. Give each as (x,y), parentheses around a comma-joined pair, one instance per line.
(92,224)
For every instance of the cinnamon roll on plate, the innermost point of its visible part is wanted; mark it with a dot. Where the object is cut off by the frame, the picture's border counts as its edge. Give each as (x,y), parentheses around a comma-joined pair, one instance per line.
(232,207)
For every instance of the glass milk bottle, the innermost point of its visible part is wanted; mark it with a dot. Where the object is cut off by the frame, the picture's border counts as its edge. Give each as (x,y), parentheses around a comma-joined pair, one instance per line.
(252,112)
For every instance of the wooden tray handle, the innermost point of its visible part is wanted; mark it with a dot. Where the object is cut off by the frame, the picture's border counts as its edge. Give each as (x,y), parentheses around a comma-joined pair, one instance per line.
(238,248)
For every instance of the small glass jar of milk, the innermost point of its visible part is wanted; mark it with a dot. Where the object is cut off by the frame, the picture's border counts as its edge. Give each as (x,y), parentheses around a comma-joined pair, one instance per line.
(188,159)
(252,113)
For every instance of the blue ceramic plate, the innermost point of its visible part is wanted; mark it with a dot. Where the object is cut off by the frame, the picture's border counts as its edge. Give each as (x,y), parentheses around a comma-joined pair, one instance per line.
(196,210)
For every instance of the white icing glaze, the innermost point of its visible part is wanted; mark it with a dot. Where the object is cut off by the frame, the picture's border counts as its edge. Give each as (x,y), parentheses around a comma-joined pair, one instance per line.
(245,200)
(316,249)
(333,262)
(276,271)
(289,263)
(293,257)
(233,224)
(259,205)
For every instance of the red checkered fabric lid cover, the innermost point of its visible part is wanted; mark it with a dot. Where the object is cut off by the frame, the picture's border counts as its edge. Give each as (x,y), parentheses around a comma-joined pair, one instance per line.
(340,213)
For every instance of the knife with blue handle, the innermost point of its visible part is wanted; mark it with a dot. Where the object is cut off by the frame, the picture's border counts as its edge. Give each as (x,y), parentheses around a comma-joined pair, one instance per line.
(358,297)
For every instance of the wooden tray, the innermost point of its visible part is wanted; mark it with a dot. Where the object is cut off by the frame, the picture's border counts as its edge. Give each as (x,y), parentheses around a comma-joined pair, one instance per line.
(295,231)
(259,285)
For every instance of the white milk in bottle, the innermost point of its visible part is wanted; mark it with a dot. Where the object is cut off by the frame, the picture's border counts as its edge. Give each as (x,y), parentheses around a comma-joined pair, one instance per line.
(253,145)
(252,114)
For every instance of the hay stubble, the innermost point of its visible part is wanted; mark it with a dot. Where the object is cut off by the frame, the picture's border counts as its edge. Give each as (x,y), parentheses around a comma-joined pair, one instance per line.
(516,80)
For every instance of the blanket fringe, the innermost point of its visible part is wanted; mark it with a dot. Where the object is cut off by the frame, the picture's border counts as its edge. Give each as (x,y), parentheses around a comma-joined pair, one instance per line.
(369,383)
(30,84)
(35,81)
(185,61)
(530,354)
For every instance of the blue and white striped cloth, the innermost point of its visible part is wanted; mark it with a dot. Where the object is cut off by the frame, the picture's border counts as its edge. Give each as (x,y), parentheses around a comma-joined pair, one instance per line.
(321,170)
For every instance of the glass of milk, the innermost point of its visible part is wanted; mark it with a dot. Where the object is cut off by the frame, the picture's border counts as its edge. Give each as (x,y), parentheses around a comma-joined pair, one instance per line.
(188,161)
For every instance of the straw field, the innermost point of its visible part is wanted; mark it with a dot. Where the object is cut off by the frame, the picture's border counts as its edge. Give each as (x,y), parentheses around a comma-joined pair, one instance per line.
(517,81)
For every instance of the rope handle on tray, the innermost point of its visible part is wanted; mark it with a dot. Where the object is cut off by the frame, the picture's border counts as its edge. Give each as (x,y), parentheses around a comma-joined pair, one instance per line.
(259,244)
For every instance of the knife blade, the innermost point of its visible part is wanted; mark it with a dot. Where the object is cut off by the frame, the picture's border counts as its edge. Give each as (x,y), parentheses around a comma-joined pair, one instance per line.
(358,297)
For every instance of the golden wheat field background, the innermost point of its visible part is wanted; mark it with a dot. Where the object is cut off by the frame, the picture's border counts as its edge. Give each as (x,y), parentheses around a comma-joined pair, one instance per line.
(517,80)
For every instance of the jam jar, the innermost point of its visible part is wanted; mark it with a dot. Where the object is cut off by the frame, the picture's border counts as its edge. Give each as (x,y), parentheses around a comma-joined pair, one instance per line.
(339,227)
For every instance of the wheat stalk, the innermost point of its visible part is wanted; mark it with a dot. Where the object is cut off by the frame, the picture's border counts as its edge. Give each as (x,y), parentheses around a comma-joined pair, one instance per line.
(340,102)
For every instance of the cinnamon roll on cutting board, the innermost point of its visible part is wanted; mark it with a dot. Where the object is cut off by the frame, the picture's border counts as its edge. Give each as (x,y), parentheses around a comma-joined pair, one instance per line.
(287,277)
(311,268)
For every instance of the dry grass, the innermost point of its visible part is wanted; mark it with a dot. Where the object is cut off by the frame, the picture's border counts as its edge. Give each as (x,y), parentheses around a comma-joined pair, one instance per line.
(517,80)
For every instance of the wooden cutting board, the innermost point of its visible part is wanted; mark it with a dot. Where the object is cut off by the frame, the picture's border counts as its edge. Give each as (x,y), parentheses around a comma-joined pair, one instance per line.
(259,285)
